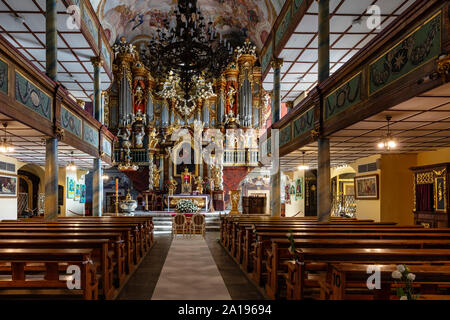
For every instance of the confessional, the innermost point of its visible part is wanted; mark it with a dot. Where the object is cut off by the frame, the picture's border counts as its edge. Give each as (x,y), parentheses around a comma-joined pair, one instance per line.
(431,194)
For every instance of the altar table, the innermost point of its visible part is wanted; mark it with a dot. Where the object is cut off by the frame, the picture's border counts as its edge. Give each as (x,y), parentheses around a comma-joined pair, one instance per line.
(171,201)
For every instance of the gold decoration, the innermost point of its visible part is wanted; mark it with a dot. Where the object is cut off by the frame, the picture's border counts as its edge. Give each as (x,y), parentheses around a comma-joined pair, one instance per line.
(172,186)
(97,61)
(156,176)
(276,63)
(59,132)
(199,184)
(235,197)
(443,67)
(424,177)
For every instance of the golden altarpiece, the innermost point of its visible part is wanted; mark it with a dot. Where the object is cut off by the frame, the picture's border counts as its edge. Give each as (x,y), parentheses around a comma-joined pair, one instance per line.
(166,140)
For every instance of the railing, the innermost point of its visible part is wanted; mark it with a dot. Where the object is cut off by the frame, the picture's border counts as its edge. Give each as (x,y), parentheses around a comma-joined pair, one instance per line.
(240,157)
(343,205)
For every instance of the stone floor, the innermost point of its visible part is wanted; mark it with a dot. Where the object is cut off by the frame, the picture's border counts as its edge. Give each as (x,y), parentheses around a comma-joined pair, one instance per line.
(224,276)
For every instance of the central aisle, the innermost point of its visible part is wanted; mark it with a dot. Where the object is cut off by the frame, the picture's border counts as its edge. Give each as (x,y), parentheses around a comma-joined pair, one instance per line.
(190,273)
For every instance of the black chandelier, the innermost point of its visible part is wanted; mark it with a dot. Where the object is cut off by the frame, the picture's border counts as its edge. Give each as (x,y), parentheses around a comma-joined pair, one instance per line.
(187,46)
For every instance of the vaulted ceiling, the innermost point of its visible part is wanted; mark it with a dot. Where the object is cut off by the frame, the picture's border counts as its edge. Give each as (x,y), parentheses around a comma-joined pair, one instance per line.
(137,19)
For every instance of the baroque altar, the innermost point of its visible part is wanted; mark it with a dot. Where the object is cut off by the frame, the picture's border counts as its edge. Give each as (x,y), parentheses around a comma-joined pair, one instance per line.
(163,138)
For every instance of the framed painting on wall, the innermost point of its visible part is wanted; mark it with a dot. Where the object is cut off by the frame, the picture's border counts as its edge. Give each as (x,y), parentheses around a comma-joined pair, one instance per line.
(366,187)
(8,186)
(348,188)
(299,189)
(70,188)
(82,193)
(77,192)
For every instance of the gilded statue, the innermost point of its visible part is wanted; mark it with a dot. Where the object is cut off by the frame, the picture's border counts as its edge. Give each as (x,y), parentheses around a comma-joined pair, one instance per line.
(216,176)
(199,184)
(172,186)
(230,97)
(156,176)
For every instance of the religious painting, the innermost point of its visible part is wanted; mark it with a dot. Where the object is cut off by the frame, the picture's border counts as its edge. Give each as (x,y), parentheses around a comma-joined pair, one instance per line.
(440,203)
(292,189)
(299,189)
(366,187)
(8,186)
(77,192)
(287,197)
(348,188)
(70,188)
(82,193)
(184,156)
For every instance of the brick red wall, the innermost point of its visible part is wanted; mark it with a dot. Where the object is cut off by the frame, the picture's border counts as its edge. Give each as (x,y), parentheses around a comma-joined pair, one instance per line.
(232,177)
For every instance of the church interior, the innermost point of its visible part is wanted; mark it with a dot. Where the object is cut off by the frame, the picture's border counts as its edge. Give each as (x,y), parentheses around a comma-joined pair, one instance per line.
(269,149)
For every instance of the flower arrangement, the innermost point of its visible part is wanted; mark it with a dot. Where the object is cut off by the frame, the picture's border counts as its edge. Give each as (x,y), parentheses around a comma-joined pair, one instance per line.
(292,249)
(187,206)
(402,274)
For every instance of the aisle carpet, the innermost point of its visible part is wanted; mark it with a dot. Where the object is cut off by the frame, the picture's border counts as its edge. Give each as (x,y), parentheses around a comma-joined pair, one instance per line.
(190,273)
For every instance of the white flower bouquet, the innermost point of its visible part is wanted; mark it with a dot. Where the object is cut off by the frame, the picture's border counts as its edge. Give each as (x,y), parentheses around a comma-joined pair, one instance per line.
(187,206)
(402,274)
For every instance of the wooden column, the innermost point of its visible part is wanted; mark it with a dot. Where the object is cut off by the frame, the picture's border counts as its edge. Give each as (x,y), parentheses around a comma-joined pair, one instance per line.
(51,150)
(97,189)
(51,40)
(97,62)
(51,179)
(323,172)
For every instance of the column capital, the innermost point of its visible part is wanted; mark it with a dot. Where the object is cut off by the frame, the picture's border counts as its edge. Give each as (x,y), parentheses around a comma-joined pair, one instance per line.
(290,104)
(276,63)
(97,61)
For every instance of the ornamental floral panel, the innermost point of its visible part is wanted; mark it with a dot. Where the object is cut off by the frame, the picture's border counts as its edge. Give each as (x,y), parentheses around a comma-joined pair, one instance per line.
(304,123)
(70,122)
(90,135)
(32,97)
(107,146)
(285,135)
(3,77)
(344,97)
(410,53)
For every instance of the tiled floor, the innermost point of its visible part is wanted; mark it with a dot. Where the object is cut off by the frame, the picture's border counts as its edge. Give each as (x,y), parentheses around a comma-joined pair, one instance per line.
(142,285)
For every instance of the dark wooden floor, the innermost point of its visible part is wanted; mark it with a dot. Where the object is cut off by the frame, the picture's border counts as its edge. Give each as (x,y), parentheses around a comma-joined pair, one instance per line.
(143,282)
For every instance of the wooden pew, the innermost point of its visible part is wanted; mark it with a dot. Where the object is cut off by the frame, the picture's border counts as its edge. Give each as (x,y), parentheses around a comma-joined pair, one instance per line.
(100,253)
(278,255)
(348,281)
(310,258)
(126,235)
(138,247)
(115,238)
(263,242)
(19,259)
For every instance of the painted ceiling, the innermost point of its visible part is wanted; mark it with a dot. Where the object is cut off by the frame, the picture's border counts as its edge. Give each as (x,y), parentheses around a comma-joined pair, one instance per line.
(138,19)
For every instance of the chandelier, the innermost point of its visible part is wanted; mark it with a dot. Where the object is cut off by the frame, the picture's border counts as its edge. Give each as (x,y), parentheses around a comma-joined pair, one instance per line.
(201,90)
(387,142)
(5,145)
(187,46)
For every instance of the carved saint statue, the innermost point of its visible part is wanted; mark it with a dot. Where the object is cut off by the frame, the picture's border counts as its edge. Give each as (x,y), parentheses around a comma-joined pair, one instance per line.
(139,136)
(230,97)
(199,185)
(125,134)
(156,176)
(172,186)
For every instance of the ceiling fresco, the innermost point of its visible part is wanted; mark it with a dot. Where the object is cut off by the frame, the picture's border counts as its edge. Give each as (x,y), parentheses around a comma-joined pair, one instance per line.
(236,19)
